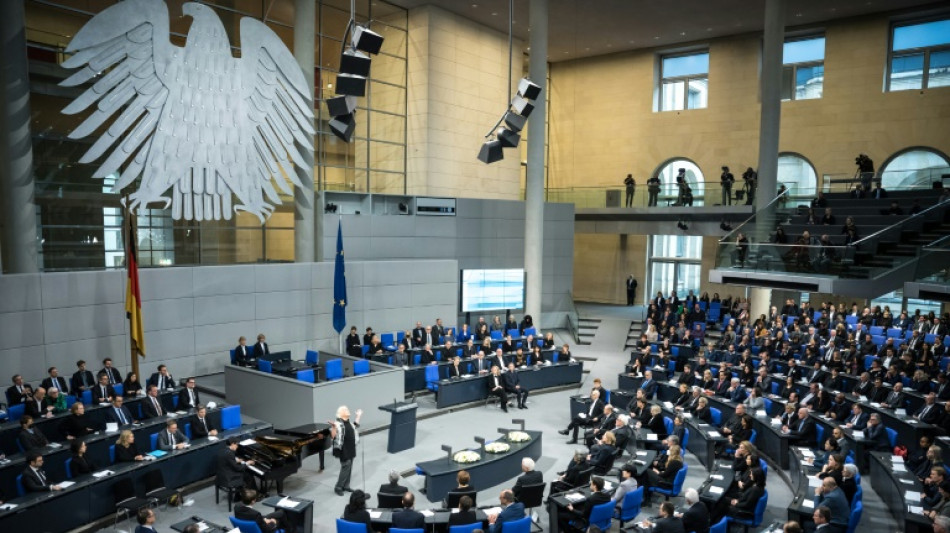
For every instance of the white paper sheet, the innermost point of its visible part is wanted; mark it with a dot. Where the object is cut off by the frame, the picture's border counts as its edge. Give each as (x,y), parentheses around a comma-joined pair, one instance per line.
(808,503)
(912,496)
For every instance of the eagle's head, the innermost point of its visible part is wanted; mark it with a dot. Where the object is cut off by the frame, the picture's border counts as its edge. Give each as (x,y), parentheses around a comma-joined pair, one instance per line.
(206,30)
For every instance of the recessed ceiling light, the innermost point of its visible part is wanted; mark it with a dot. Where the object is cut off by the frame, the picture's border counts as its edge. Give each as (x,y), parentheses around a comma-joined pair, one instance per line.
(610,46)
(655,38)
(708,29)
(798,14)
(566,52)
(494,13)
(633,42)
(587,48)
(682,33)
(474,5)
(528,49)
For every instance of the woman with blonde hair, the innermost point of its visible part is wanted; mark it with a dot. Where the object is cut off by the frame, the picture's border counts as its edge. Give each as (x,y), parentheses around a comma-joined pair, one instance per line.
(125,449)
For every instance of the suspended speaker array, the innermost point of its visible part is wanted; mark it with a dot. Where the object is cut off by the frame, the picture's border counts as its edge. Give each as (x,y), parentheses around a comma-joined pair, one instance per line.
(514,119)
(351,80)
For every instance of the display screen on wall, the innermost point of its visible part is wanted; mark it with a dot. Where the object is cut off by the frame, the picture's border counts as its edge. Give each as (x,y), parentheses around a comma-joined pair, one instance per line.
(493,289)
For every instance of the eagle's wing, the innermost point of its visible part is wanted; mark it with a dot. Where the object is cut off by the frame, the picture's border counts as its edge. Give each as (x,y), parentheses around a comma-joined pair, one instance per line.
(130,40)
(279,105)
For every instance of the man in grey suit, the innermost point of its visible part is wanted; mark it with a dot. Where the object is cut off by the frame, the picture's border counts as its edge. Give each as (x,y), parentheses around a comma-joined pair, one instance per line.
(832,497)
(172,439)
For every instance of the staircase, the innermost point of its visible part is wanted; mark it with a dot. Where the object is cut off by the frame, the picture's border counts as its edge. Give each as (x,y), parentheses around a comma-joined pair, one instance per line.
(586,329)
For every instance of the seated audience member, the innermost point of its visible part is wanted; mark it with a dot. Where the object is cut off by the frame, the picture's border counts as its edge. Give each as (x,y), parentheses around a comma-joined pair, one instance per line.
(375,346)
(111,372)
(146,519)
(55,381)
(663,473)
(270,522)
(162,378)
(830,496)
(464,480)
(125,449)
(131,387)
(201,425)
(603,453)
(465,515)
(34,478)
(19,392)
(355,511)
(353,344)
(803,431)
(119,413)
(571,477)
(628,484)
(513,386)
(456,370)
(172,438)
(401,357)
(34,405)
(103,391)
(243,355)
(232,471)
(877,434)
(76,425)
(744,506)
(529,476)
(426,355)
(589,418)
(695,517)
(577,518)
(408,517)
(666,522)
(510,511)
(261,348)
(848,484)
(153,407)
(79,464)
(607,423)
(82,380)
(393,487)
(188,397)
(29,437)
(496,386)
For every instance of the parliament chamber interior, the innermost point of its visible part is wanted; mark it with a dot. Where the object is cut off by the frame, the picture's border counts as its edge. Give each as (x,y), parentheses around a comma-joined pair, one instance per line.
(262,268)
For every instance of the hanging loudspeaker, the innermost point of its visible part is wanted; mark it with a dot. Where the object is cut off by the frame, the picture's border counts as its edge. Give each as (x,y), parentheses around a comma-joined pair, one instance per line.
(354,62)
(508,138)
(491,151)
(341,105)
(350,85)
(528,89)
(367,40)
(343,127)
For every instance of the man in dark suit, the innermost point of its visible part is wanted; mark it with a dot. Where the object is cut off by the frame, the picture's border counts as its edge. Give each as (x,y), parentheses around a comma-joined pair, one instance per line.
(172,438)
(496,386)
(119,413)
(34,479)
(877,433)
(418,333)
(513,386)
(19,392)
(30,438)
(510,511)
(858,419)
(201,426)
(393,487)
(577,518)
(839,409)
(231,471)
(894,399)
(469,349)
(438,330)
(408,518)
(146,519)
(929,413)
(804,431)
(943,387)
(103,392)
(83,379)
(153,406)
(864,385)
(831,496)
(649,385)
(162,379)
(270,522)
(188,398)
(112,372)
(589,418)
(243,354)
(34,405)
(607,423)
(261,348)
(529,477)
(696,517)
(666,523)
(55,381)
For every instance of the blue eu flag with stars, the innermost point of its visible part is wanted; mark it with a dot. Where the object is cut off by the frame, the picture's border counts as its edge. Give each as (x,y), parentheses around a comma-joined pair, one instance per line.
(339,284)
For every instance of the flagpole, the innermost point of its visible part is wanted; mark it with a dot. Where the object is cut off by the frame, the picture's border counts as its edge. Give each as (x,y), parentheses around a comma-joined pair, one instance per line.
(127,229)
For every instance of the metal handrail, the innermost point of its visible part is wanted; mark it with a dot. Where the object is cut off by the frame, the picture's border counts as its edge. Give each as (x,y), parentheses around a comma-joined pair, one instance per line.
(746,221)
(573,318)
(915,217)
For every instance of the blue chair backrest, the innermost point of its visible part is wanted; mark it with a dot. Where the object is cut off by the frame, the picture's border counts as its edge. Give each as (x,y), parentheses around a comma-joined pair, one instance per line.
(855,518)
(721,527)
(930,338)
(265,366)
(775,387)
(69,470)
(685,439)
(679,480)
(112,454)
(767,405)
(334,369)
(402,530)
(313,357)
(16,412)
(820,434)
(944,361)
(247,526)
(522,525)
(601,515)
(364,349)
(416,359)
(760,509)
(858,496)
(361,367)
(70,400)
(119,389)
(669,425)
(496,335)
(188,430)
(153,440)
(343,526)
(514,332)
(892,436)
(764,466)
(876,330)
(530,331)
(752,437)
(19,485)
(632,501)
(233,358)
(868,360)
(466,528)
(716,415)
(432,373)
(230,417)
(387,339)
(87,397)
(306,375)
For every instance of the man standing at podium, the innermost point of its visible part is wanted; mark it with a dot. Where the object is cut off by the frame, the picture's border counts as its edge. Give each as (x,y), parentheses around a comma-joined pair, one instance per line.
(345,436)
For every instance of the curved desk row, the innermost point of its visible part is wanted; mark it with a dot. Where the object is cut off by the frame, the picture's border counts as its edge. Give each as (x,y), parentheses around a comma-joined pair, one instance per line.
(893,484)
(471,389)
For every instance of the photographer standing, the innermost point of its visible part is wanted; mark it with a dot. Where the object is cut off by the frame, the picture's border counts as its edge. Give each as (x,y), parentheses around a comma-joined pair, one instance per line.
(345,437)
(751,179)
(653,187)
(726,179)
(631,188)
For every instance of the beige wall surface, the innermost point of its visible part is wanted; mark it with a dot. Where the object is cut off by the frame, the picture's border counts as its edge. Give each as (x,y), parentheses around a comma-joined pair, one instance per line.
(602,126)
(458,88)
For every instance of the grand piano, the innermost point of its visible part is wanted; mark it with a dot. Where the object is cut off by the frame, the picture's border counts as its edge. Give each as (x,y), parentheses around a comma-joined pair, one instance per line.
(280,453)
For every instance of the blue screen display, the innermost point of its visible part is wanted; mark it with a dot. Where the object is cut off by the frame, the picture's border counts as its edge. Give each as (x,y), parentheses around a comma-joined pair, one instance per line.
(495,289)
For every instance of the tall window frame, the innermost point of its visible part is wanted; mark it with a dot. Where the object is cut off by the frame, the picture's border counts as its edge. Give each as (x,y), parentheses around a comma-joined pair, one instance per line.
(683,81)
(675,263)
(801,65)
(920,56)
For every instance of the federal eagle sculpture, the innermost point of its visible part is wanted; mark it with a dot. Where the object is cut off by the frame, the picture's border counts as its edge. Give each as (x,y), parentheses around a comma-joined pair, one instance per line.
(194,122)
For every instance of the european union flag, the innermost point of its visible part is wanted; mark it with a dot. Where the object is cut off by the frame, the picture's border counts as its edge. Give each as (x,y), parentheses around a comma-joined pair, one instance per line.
(339,284)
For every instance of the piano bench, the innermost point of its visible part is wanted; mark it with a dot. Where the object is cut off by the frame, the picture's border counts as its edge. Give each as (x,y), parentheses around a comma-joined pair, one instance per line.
(231,492)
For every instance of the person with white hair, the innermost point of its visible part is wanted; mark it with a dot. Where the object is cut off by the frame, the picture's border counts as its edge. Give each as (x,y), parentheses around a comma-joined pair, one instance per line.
(346,436)
(529,477)
(696,516)
(942,524)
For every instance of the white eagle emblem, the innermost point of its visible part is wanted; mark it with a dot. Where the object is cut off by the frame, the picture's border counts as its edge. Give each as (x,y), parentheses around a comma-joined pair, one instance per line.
(197,122)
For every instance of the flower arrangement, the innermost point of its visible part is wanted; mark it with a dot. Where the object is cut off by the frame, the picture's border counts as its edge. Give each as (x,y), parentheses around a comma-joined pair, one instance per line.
(466,456)
(497,447)
(518,436)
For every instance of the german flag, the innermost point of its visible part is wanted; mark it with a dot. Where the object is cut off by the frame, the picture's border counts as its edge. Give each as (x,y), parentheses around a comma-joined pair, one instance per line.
(133,298)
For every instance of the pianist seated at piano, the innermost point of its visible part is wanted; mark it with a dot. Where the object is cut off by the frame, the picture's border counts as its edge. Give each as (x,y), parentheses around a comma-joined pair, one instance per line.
(201,426)
(232,471)
(125,449)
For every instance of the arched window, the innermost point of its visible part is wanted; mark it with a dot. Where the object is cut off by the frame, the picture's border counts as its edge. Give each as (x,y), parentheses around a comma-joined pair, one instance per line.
(797,174)
(914,168)
(694,177)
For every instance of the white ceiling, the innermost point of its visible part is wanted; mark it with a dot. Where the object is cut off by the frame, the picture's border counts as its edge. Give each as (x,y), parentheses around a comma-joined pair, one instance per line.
(583,28)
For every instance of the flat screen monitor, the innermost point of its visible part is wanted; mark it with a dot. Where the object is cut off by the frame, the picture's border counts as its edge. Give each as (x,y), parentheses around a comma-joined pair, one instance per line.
(492,289)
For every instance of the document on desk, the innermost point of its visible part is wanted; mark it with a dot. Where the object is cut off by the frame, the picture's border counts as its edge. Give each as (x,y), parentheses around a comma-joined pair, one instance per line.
(717,477)
(808,503)
(897,467)
(714,434)
(897,459)
(912,496)
(102,474)
(715,490)
(641,453)
(7,506)
(907,481)
(653,436)
(287,503)
(67,484)
(686,415)
(813,481)
(915,510)
(668,405)
(202,526)
(427,513)
(375,514)
(575,497)
(492,510)
(608,485)
(247,442)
